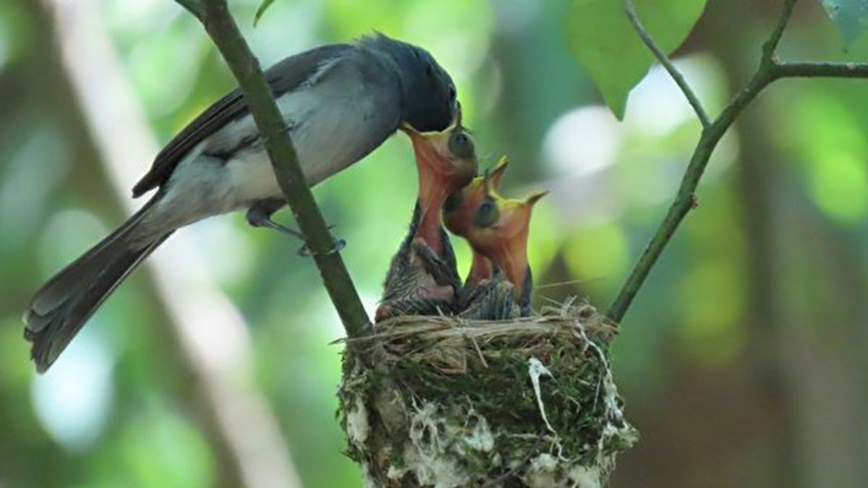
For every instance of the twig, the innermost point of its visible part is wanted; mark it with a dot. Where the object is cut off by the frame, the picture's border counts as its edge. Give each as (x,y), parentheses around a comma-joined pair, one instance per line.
(224,32)
(667,63)
(771,44)
(821,70)
(770,70)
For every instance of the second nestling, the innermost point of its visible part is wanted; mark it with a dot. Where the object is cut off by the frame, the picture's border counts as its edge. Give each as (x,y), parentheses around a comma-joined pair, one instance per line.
(499,284)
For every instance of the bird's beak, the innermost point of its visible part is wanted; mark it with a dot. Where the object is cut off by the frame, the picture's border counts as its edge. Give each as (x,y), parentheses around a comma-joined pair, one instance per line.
(442,171)
(534,197)
(515,217)
(496,173)
(432,146)
(505,242)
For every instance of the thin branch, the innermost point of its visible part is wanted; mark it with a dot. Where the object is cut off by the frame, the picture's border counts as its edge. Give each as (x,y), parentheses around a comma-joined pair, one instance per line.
(667,63)
(685,200)
(771,45)
(224,32)
(822,70)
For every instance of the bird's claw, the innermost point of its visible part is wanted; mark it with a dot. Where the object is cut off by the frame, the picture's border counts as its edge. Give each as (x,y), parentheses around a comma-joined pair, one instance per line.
(338,246)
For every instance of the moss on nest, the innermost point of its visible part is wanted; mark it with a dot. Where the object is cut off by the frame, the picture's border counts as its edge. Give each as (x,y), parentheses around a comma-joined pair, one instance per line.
(442,402)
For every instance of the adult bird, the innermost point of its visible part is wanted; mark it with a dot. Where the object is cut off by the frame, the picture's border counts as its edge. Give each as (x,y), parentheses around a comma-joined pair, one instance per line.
(498,230)
(423,277)
(339,102)
(458,217)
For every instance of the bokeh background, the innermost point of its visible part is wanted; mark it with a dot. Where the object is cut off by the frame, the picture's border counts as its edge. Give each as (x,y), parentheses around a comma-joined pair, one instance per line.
(743,361)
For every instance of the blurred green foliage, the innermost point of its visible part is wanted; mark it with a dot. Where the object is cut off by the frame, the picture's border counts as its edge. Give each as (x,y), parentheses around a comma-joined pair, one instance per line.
(688,345)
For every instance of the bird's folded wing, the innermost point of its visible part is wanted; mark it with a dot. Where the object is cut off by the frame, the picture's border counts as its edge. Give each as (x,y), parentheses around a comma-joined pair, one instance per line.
(283,77)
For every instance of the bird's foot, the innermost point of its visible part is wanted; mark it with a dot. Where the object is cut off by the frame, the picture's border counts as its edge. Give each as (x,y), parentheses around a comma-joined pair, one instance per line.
(257,217)
(337,246)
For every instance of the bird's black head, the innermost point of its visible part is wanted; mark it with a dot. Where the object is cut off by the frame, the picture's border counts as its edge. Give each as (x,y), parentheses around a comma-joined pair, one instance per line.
(430,102)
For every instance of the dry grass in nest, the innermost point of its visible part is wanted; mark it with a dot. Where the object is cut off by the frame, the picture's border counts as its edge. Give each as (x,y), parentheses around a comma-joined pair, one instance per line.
(451,344)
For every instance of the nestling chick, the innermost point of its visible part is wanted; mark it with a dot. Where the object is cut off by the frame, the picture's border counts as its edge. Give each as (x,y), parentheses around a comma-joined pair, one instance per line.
(423,278)
(458,218)
(498,230)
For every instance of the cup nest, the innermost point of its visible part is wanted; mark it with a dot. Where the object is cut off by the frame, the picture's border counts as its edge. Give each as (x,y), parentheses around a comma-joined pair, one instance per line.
(446,402)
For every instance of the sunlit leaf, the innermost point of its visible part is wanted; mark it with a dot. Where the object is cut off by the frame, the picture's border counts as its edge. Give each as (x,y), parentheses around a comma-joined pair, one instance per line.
(605,43)
(261,10)
(849,16)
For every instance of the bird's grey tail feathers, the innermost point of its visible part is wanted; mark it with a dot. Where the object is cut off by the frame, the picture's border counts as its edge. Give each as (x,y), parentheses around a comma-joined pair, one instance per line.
(61,307)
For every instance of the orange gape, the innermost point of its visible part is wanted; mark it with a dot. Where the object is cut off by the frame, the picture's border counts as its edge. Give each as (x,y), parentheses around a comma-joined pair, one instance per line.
(497,230)
(423,278)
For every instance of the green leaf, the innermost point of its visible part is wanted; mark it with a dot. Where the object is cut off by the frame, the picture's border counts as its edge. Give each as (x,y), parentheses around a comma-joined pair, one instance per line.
(261,10)
(850,16)
(605,43)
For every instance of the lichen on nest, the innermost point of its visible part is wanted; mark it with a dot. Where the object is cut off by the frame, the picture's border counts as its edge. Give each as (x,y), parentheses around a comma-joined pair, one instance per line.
(444,402)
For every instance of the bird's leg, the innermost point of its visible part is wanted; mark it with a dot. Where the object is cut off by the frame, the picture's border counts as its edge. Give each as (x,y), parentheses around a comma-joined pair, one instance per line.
(438,268)
(259,215)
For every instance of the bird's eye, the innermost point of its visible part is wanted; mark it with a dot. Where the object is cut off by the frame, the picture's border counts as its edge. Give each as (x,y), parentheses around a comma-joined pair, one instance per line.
(461,145)
(487,214)
(452,93)
(453,202)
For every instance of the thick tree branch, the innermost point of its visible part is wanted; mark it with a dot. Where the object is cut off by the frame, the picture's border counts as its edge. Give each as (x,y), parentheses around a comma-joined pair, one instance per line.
(770,70)
(218,21)
(667,63)
(192,6)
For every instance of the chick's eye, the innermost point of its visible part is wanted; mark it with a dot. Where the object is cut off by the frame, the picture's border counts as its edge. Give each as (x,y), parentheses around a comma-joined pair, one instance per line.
(461,145)
(487,214)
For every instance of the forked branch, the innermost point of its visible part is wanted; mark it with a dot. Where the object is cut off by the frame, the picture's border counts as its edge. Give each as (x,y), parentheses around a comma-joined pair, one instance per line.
(770,69)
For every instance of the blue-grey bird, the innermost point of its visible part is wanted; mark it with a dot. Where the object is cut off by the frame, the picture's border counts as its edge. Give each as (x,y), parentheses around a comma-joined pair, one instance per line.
(339,102)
